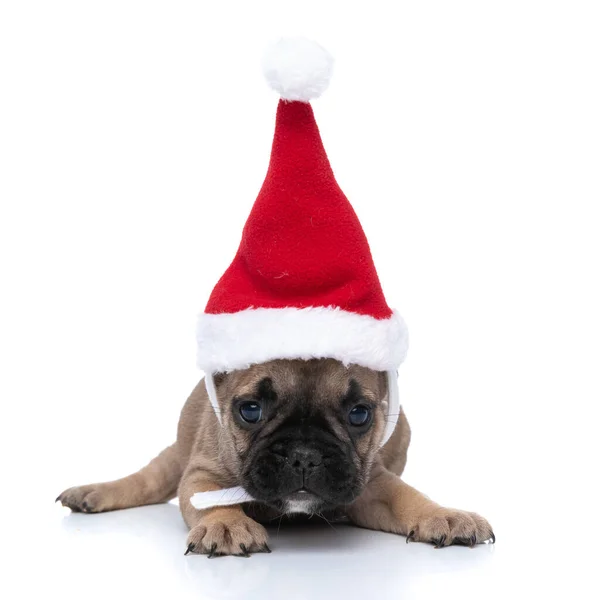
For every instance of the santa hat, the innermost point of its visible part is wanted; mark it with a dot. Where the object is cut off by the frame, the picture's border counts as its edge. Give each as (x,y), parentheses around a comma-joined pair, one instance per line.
(302,284)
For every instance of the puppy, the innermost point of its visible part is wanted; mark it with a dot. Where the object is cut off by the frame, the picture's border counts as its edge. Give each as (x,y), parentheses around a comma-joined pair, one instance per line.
(299,436)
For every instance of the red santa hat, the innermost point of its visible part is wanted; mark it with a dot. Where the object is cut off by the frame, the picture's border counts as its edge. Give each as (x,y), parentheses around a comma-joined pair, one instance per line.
(303,284)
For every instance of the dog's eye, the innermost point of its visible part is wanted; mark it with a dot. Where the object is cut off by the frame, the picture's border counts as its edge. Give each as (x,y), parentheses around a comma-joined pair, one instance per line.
(359,415)
(251,412)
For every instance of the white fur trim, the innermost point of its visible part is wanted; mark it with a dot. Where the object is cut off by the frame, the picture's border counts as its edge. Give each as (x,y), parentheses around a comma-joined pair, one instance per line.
(232,341)
(297,68)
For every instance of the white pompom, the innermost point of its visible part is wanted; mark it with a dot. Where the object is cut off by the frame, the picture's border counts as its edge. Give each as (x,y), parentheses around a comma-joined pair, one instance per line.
(297,68)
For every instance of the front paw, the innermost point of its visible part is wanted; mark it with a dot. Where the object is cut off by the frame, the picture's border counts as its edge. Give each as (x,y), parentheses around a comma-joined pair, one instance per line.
(222,533)
(447,526)
(86,498)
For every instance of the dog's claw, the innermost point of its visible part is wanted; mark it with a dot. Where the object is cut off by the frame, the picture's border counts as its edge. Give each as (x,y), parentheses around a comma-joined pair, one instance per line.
(411,536)
(244,552)
(265,548)
(493,538)
(211,552)
(190,548)
(461,541)
(58,498)
(440,543)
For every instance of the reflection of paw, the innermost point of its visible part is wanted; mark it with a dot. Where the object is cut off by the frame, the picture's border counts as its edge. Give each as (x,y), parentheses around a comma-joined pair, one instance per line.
(224,532)
(447,526)
(86,498)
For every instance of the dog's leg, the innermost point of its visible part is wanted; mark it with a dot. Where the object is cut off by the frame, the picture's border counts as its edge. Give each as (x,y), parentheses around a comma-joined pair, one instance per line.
(389,504)
(221,530)
(156,482)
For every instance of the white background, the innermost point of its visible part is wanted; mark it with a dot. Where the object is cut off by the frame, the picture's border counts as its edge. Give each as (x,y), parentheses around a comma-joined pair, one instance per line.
(134,137)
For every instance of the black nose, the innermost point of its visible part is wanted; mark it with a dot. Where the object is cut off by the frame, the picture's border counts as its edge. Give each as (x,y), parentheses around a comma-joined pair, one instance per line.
(305,458)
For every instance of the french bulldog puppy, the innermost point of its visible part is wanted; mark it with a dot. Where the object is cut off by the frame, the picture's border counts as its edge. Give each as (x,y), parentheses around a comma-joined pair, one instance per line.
(300,437)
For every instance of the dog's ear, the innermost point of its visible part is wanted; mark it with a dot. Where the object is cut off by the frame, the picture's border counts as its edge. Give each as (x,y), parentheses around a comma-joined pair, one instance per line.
(219,378)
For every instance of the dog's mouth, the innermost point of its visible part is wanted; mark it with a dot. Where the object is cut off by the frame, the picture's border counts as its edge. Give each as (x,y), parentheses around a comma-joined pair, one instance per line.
(302,493)
(300,477)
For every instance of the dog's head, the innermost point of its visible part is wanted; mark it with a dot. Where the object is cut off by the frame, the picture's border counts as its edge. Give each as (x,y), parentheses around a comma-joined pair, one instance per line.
(303,434)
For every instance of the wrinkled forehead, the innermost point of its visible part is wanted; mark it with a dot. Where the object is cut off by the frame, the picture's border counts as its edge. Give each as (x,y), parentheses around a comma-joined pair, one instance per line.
(322,381)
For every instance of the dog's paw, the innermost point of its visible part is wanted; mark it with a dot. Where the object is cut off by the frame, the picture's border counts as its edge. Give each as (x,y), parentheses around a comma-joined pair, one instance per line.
(86,498)
(223,533)
(447,526)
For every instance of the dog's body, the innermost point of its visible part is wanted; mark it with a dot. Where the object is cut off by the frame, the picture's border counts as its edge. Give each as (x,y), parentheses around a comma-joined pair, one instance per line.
(299,436)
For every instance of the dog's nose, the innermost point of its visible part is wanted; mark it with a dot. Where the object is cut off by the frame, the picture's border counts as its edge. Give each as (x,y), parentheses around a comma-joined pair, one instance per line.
(305,458)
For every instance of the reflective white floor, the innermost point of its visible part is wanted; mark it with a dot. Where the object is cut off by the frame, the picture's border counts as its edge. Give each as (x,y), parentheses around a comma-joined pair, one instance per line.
(143,548)
(138,553)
